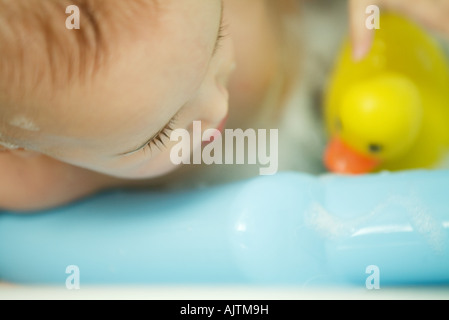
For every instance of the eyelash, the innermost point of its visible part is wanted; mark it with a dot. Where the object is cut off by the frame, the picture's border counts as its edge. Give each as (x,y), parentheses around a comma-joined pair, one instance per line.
(164,133)
(221,36)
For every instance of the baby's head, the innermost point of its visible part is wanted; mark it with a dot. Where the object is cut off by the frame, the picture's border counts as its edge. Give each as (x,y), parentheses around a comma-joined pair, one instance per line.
(105,96)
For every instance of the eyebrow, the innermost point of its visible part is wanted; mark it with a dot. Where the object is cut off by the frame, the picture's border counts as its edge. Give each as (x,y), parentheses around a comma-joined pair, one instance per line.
(216,46)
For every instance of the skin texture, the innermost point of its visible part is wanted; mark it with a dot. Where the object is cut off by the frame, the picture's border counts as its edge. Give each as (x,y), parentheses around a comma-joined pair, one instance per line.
(33,181)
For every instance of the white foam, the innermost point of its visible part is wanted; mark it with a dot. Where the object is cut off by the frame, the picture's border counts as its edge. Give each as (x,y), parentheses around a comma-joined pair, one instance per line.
(328,225)
(8,145)
(24,123)
(420,221)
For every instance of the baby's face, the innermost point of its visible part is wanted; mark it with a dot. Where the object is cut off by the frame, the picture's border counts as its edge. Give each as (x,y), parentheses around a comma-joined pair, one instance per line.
(168,75)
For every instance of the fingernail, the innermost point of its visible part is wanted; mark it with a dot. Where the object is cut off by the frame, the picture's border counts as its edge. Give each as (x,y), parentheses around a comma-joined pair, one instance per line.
(359,52)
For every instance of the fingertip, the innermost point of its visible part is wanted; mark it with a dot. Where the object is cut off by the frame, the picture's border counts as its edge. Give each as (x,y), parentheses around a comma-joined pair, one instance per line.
(360,50)
(361,41)
(361,36)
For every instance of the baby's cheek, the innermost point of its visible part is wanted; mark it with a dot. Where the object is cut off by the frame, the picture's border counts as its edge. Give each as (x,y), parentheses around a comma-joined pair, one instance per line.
(257,64)
(39,182)
(155,167)
(143,164)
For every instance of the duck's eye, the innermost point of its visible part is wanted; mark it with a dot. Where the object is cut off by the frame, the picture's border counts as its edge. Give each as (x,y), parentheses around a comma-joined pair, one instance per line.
(375,148)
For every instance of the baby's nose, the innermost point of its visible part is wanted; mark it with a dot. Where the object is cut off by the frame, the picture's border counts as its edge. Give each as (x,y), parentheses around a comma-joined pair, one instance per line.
(226,62)
(212,100)
(213,107)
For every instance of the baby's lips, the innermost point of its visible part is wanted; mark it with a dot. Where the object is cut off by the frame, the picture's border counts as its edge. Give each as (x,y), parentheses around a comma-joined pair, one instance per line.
(340,158)
(221,127)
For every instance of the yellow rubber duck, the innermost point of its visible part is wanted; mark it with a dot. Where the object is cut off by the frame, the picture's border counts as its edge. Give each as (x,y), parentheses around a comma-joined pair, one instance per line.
(389,111)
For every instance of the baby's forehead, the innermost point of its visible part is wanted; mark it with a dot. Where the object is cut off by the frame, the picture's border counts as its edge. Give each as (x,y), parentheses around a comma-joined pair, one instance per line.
(38,42)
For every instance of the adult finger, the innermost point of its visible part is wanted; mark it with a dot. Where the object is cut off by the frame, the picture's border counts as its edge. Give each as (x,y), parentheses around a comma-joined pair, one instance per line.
(361,36)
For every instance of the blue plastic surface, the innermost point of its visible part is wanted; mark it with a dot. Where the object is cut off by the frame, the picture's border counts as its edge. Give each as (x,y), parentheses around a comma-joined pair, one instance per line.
(286,229)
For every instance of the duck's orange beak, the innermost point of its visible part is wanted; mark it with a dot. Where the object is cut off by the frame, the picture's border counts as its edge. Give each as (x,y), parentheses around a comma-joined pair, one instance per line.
(340,158)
